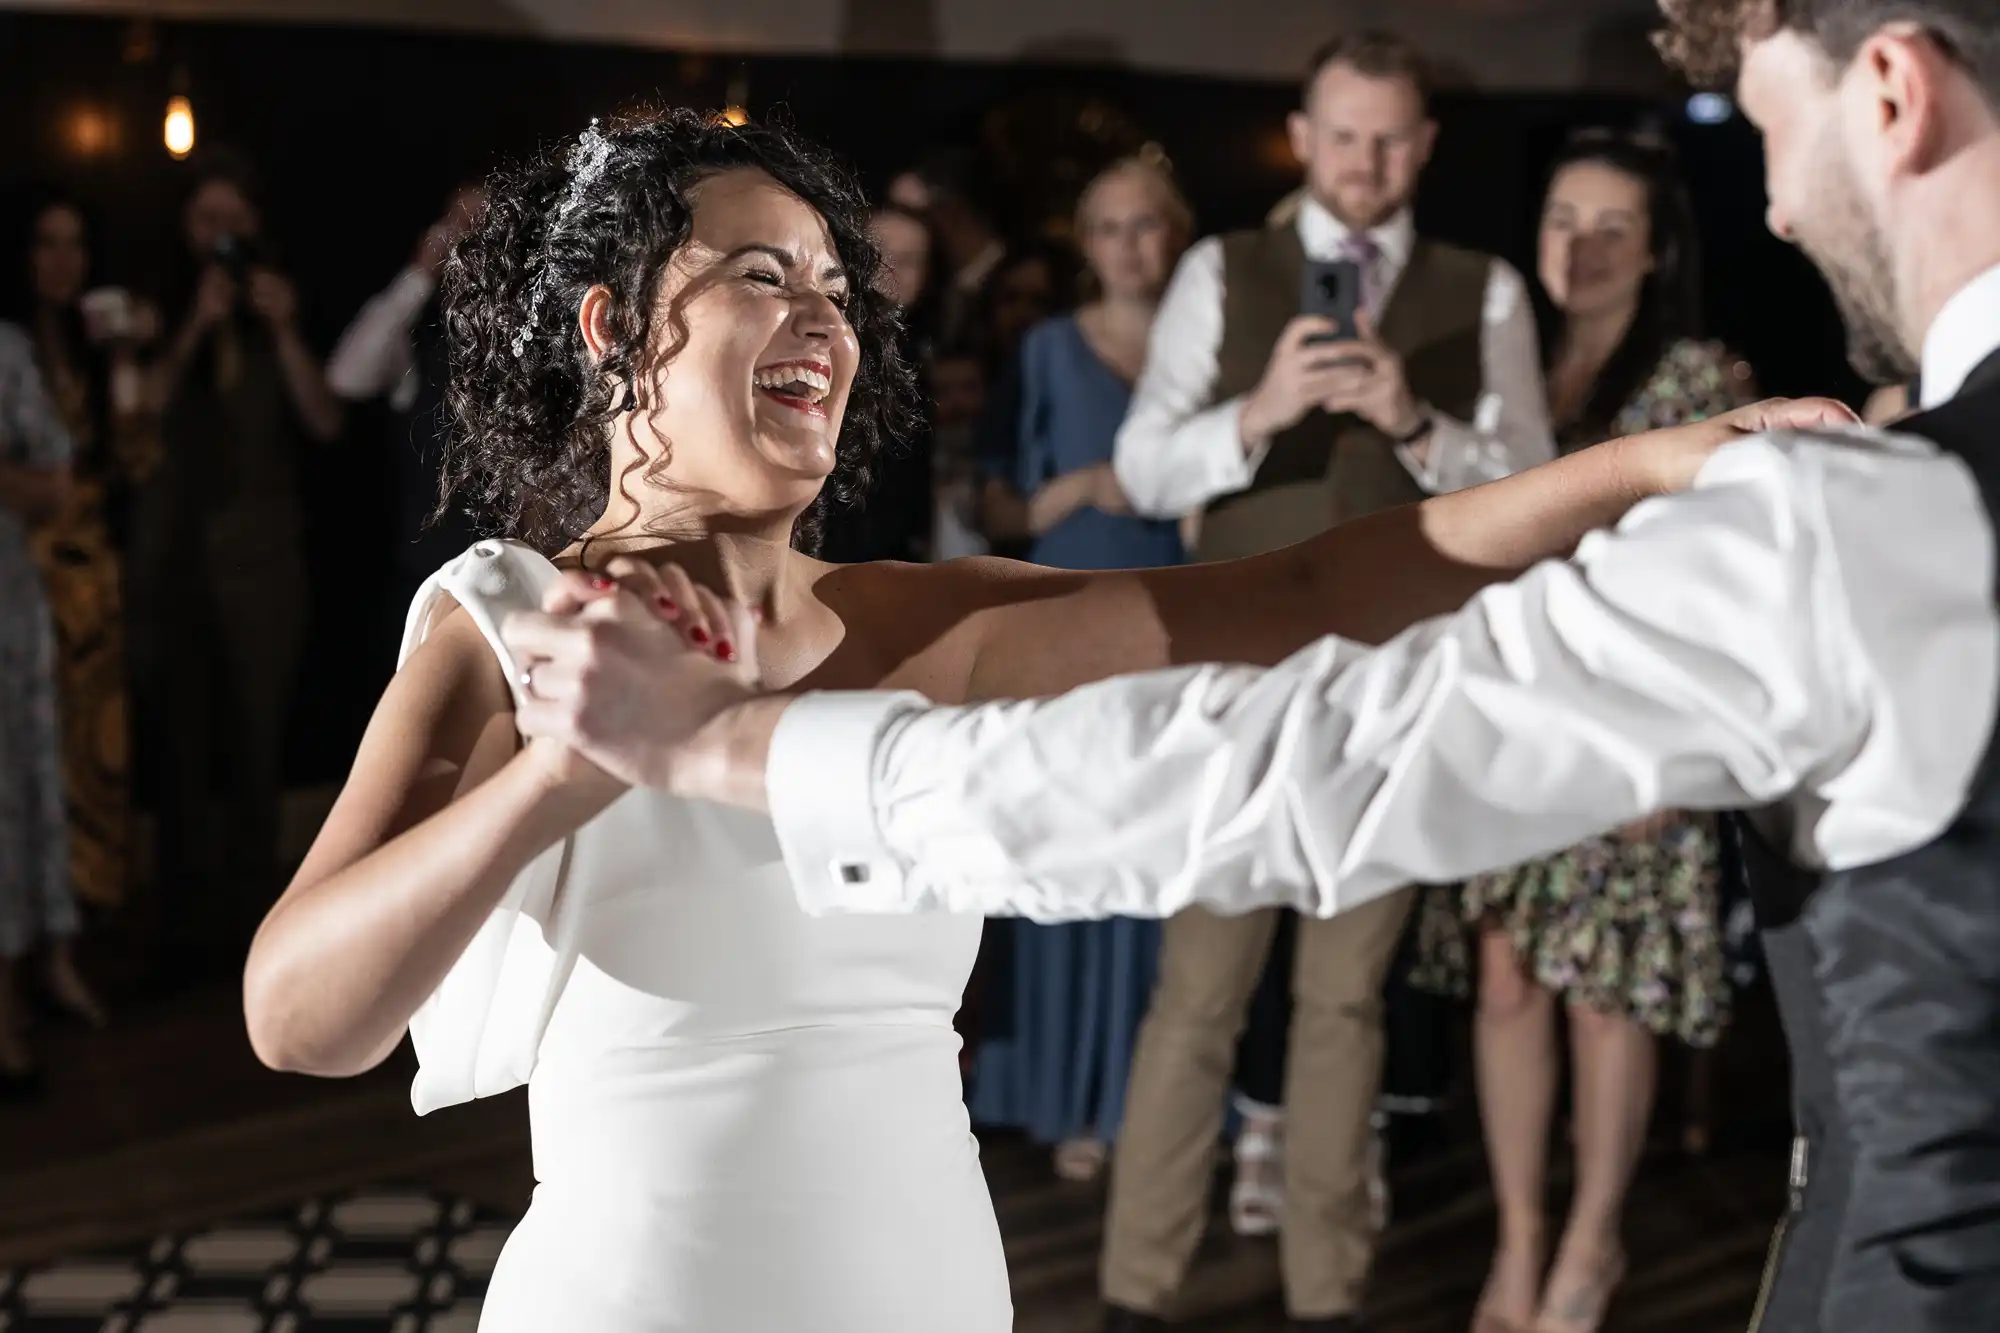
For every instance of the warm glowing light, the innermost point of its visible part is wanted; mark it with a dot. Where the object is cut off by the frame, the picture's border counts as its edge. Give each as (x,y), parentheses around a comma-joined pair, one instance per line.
(90,132)
(736,101)
(1274,151)
(180,127)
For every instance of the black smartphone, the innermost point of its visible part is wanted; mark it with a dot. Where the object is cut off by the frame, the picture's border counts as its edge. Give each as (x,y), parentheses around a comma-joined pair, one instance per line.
(1333,291)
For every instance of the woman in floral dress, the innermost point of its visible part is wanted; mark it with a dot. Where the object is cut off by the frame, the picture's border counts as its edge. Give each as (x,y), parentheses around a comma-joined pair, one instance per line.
(87,350)
(1623,930)
(35,902)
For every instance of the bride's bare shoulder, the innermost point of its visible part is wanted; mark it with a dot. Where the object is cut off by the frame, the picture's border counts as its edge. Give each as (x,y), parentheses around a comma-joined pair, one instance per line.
(906,605)
(921,626)
(953,586)
(452,669)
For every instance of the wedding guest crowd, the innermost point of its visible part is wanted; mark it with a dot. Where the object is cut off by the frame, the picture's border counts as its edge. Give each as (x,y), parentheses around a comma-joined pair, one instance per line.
(1231,434)
(1272,435)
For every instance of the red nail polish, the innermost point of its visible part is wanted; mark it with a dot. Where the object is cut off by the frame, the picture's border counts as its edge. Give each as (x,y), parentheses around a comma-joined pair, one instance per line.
(668,606)
(601,583)
(698,634)
(725,650)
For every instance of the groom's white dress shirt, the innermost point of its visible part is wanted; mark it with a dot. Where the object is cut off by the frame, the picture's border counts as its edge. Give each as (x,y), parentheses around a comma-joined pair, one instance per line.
(1813,624)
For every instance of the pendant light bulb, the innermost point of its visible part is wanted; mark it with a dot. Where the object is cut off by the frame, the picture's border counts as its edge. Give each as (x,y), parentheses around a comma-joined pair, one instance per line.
(179,130)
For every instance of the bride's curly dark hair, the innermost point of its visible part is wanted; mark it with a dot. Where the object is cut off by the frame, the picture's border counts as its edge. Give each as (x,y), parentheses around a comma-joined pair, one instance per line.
(528,454)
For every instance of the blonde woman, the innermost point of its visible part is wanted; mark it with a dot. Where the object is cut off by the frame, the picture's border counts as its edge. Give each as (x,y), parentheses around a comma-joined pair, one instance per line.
(1076,992)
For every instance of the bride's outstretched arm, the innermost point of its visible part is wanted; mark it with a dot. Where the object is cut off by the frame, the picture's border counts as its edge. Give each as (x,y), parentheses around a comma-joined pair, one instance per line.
(1366,579)
(441,812)
(1042,632)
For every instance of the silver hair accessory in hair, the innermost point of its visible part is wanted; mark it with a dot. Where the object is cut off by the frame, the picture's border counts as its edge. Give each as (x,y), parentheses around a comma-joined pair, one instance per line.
(585,165)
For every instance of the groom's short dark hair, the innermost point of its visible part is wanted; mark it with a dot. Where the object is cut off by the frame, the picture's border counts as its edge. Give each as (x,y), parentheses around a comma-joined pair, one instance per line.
(1703,37)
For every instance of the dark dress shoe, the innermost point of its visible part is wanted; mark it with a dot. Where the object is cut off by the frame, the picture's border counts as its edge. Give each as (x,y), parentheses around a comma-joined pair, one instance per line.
(1117,1319)
(1339,1323)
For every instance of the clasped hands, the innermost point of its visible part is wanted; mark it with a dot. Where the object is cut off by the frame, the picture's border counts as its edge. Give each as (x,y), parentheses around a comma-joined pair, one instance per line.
(630,670)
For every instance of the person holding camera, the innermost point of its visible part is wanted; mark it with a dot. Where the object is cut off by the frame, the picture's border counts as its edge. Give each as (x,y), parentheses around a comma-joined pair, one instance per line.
(219,577)
(1277,406)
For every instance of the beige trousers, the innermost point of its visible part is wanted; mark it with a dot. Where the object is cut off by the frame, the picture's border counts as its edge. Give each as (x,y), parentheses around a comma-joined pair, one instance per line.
(1165,1157)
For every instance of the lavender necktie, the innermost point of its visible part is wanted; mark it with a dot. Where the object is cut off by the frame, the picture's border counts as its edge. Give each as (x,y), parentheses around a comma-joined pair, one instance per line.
(1360,247)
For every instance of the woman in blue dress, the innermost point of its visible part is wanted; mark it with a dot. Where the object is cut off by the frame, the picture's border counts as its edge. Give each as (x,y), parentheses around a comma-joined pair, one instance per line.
(1076,993)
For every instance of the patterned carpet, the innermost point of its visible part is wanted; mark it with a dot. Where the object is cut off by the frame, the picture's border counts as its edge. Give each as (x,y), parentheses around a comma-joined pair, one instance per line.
(367,1262)
(111,1187)
(416,1261)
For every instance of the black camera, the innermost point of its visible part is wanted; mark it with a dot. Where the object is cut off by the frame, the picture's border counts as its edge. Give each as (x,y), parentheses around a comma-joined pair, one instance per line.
(238,254)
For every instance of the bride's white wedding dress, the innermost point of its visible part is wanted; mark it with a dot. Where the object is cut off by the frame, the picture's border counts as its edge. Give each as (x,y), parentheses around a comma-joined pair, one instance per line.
(745,1119)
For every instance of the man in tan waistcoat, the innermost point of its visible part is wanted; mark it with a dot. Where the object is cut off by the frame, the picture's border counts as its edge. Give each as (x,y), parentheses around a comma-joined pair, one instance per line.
(1273,439)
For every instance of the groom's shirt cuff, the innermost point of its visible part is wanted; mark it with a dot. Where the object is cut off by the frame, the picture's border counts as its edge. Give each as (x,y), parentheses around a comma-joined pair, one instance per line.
(819,780)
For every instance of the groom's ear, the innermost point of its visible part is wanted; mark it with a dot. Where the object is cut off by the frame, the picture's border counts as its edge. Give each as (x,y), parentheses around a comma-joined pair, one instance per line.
(1911,83)
(594,319)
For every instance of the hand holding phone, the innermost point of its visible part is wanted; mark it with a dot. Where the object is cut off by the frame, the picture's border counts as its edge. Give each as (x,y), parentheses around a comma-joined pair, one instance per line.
(1331,290)
(274,298)
(1309,364)
(1369,381)
(214,298)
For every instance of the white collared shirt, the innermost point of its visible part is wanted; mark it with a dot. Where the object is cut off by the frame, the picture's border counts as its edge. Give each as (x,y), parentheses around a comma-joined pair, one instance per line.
(1813,624)
(1953,347)
(1178,450)
(377,355)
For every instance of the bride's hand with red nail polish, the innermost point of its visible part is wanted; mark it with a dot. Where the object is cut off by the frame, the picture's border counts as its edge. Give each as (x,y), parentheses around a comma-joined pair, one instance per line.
(626,676)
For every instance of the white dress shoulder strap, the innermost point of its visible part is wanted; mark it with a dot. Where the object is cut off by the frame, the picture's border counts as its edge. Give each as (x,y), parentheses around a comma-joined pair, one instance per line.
(479,1032)
(491,581)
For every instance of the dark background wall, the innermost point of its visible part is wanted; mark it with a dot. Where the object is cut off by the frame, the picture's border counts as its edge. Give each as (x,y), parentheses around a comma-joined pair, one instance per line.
(358,135)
